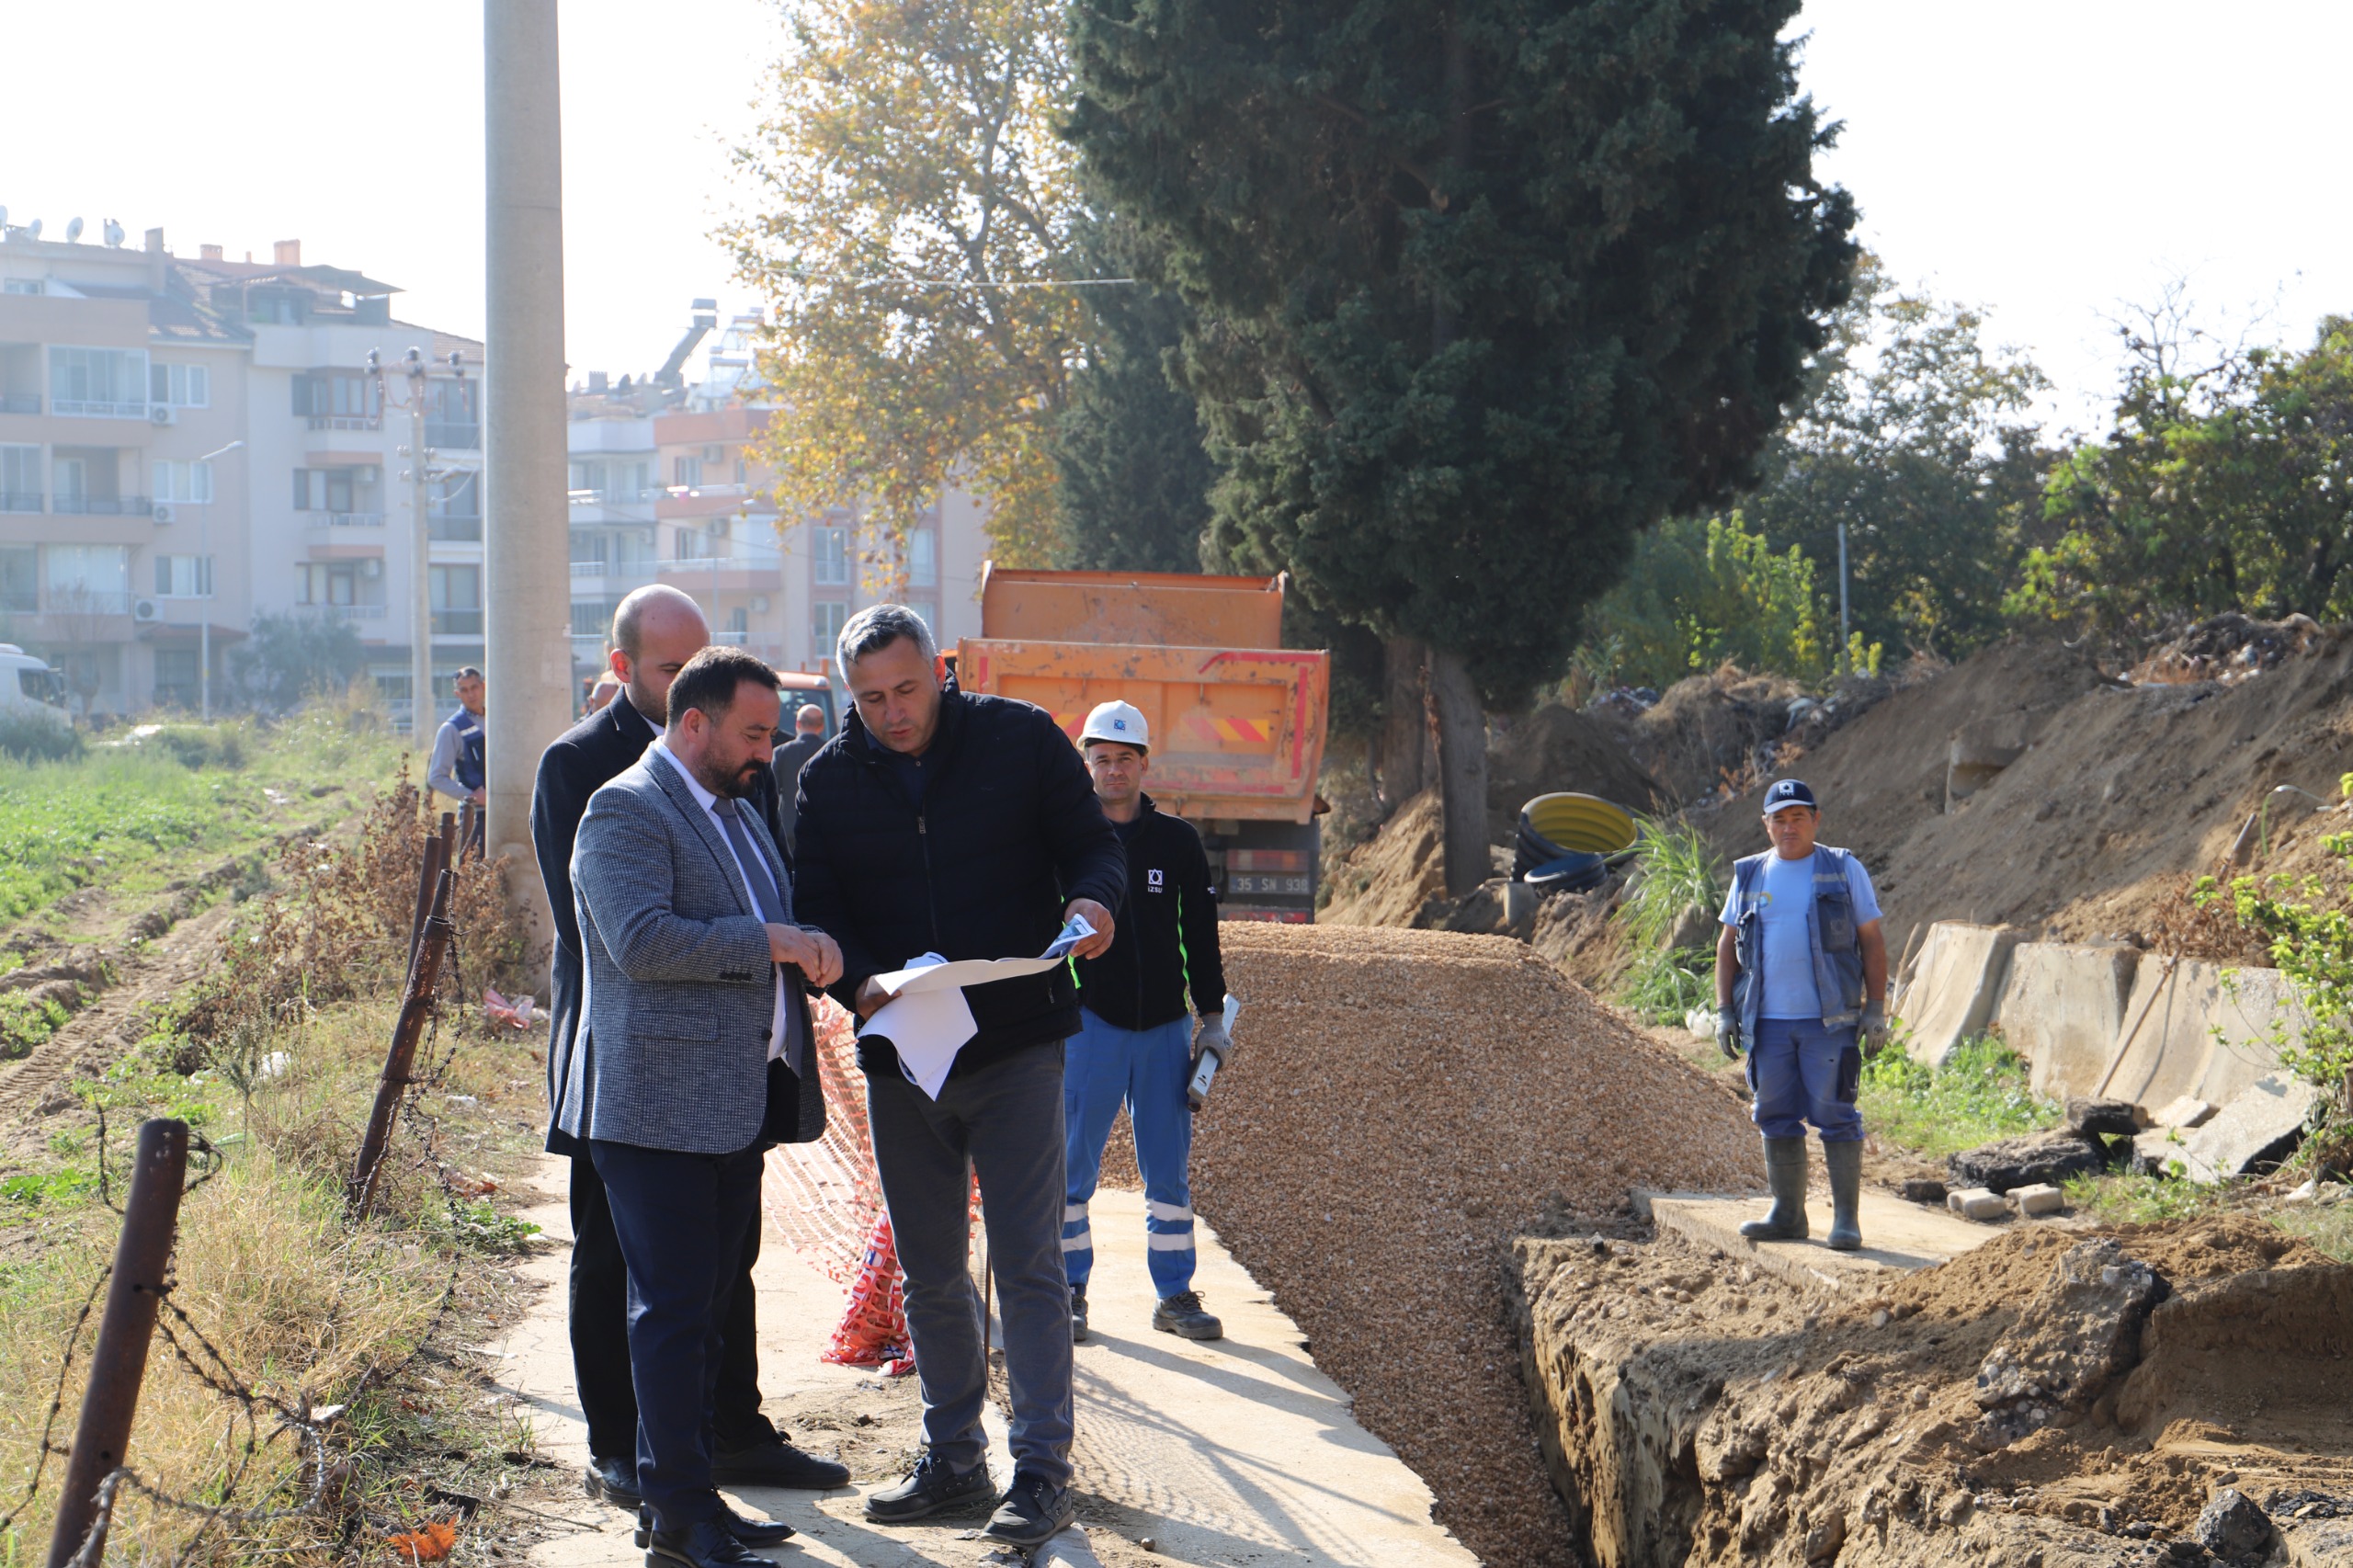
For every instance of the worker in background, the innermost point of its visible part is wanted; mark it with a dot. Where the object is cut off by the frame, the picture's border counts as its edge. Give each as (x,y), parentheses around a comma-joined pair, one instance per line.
(460,766)
(1136,1042)
(1801,982)
(603,689)
(808,737)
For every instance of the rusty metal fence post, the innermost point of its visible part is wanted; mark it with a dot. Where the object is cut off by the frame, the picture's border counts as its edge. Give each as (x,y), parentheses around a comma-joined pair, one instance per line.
(119,1359)
(417,1006)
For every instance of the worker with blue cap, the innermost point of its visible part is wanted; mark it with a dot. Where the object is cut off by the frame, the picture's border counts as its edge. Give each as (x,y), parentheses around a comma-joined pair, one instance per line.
(1137,1042)
(1802,983)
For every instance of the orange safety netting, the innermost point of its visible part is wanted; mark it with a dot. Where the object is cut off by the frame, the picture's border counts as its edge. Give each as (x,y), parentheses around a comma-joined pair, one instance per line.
(827,1203)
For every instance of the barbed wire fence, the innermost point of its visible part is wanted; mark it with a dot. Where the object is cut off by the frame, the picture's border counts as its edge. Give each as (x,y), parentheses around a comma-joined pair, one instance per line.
(137,1287)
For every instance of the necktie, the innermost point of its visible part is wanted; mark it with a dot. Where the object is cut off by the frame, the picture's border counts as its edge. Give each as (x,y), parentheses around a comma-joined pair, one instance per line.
(775,906)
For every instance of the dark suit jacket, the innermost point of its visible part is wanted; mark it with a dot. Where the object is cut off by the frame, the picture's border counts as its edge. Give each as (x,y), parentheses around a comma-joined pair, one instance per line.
(580,762)
(790,757)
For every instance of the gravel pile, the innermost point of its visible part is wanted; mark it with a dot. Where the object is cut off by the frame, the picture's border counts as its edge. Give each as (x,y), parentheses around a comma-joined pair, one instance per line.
(1401,1104)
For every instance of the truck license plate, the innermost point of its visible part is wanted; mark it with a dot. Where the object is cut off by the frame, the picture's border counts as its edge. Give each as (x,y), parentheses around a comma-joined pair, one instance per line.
(1244,882)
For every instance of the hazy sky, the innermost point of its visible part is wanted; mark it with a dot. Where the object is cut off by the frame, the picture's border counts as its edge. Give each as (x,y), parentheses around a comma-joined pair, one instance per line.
(2049,161)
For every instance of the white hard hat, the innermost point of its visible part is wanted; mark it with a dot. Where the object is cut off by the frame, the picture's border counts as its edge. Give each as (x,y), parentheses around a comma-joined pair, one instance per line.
(1119,722)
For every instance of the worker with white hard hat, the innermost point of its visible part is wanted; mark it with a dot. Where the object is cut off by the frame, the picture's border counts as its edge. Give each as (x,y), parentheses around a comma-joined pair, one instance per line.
(1801,981)
(1136,1043)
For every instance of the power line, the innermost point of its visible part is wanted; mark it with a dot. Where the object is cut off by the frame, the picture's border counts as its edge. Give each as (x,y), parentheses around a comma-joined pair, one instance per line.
(959,282)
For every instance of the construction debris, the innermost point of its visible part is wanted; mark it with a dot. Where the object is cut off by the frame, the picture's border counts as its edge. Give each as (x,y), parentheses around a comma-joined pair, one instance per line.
(1403,1105)
(2035,1158)
(2260,1127)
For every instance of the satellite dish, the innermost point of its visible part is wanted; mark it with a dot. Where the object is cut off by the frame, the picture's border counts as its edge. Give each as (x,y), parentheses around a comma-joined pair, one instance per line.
(32,229)
(72,230)
(113,231)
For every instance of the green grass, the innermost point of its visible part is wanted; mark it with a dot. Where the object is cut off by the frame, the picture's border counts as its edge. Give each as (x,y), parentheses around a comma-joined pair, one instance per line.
(1678,868)
(2122,1199)
(129,815)
(26,1023)
(1981,1093)
(1663,986)
(2327,1226)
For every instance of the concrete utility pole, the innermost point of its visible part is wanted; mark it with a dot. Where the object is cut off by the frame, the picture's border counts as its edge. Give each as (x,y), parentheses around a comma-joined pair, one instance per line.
(528,597)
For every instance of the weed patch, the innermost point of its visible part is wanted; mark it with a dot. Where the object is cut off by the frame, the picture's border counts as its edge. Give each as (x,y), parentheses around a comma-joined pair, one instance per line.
(1981,1093)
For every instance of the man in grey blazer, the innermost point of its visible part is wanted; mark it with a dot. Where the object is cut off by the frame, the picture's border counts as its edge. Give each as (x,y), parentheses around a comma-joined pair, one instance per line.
(698,1056)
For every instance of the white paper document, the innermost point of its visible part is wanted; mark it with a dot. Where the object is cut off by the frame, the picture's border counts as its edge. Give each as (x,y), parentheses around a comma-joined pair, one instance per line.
(927,1019)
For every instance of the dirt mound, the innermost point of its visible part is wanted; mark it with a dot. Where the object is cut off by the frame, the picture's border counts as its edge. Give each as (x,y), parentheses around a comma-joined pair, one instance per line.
(1707,729)
(2056,1396)
(1557,748)
(1402,1104)
(1386,879)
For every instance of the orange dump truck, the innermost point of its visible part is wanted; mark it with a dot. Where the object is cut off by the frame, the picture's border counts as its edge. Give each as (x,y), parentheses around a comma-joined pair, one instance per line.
(1237,719)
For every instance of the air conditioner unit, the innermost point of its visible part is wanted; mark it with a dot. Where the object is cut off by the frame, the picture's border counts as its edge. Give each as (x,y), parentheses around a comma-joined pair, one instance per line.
(759,604)
(162,513)
(372,566)
(145,609)
(162,414)
(369,473)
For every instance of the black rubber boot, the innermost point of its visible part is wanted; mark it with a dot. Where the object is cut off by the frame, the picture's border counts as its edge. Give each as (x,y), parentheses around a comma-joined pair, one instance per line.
(1785,1169)
(1846,1163)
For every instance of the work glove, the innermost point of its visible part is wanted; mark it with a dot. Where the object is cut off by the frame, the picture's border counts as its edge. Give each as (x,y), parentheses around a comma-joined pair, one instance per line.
(1212,1036)
(1876,1030)
(1728,1039)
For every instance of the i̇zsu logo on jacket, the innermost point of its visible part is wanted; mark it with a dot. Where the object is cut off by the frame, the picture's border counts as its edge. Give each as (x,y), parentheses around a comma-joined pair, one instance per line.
(1152,879)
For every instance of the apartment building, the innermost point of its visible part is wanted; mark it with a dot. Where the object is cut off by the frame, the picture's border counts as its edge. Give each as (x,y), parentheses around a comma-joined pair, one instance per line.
(186,445)
(668,486)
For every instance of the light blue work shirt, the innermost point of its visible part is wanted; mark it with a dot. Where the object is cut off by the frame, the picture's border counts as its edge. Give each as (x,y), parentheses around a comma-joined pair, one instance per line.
(1782,912)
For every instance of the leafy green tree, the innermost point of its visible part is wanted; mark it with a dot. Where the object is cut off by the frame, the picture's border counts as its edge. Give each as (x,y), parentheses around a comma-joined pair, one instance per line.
(291,657)
(1919,439)
(913,226)
(1705,590)
(1135,473)
(2226,485)
(1485,288)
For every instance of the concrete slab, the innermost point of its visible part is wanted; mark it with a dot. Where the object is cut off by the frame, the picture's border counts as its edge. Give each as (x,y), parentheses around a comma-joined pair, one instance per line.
(2199,1030)
(1233,1452)
(2263,1123)
(1897,1236)
(2061,1008)
(1953,986)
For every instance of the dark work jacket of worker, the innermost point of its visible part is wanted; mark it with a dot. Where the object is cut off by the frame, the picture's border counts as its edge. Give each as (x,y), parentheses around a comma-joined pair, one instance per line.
(1166,944)
(1006,833)
(577,764)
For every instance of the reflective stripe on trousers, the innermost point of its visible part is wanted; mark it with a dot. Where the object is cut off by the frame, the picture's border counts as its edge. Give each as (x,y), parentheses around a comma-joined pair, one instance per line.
(1105,1066)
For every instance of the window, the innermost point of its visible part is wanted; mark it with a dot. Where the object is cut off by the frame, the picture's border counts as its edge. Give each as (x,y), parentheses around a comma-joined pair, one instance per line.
(739,623)
(73,477)
(175,679)
(98,382)
(182,386)
(832,564)
(741,471)
(20,578)
(19,479)
(184,480)
(592,617)
(456,592)
(96,576)
(332,395)
(923,559)
(26,286)
(714,454)
(322,490)
(826,617)
(331,582)
(588,480)
(279,306)
(183,576)
(686,473)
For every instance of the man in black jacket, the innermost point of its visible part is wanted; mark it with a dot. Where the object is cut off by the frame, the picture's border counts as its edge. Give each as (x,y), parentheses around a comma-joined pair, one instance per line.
(963,825)
(655,631)
(1135,1041)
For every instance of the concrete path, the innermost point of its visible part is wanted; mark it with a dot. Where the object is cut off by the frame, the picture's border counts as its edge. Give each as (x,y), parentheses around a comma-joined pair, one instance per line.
(1896,1235)
(1232,1453)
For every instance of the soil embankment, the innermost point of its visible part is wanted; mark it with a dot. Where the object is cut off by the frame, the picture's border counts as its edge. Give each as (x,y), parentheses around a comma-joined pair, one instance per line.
(1402,1104)
(2054,1397)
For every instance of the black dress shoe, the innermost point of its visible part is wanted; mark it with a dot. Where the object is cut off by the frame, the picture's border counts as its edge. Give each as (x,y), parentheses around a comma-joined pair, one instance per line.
(1034,1511)
(613,1480)
(928,1488)
(776,1463)
(705,1543)
(751,1532)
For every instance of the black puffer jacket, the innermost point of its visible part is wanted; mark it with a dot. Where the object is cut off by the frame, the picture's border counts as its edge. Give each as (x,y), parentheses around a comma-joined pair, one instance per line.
(1165,948)
(1007,834)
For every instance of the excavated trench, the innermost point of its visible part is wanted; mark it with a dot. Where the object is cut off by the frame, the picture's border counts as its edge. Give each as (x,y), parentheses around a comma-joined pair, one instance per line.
(2058,1398)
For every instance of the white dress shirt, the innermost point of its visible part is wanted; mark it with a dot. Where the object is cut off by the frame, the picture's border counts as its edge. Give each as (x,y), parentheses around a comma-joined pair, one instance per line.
(779,1022)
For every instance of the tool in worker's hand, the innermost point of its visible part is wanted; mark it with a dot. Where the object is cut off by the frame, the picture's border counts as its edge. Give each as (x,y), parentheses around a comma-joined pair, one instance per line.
(1728,1032)
(1213,1043)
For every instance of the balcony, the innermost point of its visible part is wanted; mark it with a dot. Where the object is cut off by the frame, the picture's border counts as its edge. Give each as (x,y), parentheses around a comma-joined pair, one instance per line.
(346,614)
(20,500)
(19,402)
(342,519)
(457,623)
(453,531)
(89,408)
(104,506)
(346,422)
(449,436)
(84,602)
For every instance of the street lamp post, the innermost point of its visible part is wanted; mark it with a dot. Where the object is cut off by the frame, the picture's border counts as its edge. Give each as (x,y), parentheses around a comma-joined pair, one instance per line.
(204,564)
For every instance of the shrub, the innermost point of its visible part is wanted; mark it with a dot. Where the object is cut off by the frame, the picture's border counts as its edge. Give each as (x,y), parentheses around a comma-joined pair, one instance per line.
(29,737)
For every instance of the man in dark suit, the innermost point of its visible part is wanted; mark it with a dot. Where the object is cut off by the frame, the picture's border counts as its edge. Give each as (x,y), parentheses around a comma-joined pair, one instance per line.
(808,738)
(697,1056)
(655,631)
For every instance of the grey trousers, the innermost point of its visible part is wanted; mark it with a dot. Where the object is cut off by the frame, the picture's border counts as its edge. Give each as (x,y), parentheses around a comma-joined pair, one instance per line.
(1006,1122)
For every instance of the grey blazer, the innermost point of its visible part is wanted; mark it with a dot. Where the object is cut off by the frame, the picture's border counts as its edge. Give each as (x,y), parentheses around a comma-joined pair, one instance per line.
(673,1048)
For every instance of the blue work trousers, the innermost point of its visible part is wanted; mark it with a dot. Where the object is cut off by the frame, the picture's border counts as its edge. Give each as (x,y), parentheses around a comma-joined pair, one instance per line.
(1800,1072)
(1103,1066)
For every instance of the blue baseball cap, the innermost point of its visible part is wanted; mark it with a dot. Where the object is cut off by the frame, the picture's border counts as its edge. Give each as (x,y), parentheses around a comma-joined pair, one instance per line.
(1789,792)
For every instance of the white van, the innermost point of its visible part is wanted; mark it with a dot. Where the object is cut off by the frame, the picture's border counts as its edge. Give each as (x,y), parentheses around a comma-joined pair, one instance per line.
(30,687)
